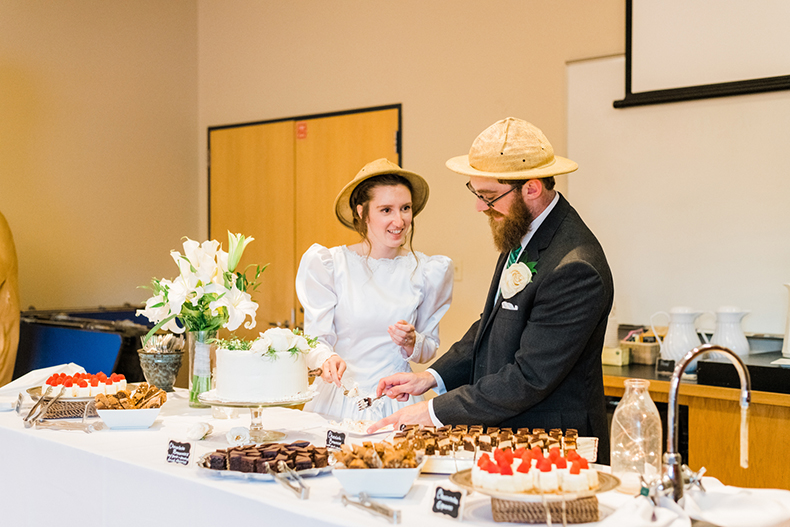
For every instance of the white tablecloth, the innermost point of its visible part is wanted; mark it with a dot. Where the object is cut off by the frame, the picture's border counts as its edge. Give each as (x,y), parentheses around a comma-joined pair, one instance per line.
(111,476)
(69,478)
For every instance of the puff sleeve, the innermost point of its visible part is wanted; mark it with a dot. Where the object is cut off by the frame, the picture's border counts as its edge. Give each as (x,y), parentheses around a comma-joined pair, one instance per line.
(437,275)
(316,291)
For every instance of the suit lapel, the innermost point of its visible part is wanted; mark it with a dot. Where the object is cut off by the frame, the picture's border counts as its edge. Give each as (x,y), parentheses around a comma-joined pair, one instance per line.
(491,305)
(545,233)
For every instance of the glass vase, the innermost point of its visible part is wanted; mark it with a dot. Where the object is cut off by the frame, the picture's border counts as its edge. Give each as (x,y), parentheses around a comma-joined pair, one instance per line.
(201,355)
(636,438)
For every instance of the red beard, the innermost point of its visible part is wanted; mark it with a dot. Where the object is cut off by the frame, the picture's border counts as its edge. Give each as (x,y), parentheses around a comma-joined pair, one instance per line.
(511,228)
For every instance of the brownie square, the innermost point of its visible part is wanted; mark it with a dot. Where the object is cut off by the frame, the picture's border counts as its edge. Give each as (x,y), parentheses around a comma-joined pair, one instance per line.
(302,463)
(276,461)
(269,454)
(248,463)
(260,465)
(218,461)
(234,463)
(300,451)
(320,460)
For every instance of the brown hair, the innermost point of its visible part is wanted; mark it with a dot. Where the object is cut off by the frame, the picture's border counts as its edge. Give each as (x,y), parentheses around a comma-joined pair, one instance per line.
(364,193)
(548,182)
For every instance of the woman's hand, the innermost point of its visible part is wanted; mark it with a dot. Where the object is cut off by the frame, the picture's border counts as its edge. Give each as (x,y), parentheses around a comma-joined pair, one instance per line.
(333,369)
(402,333)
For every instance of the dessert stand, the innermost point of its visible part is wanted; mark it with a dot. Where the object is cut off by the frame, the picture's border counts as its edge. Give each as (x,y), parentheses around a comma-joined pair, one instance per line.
(257,432)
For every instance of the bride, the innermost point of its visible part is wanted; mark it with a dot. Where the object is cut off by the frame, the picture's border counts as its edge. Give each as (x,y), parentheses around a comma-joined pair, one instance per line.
(375,305)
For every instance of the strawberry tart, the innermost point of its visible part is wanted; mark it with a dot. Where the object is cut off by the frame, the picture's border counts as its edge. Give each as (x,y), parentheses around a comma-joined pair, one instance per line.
(528,470)
(84,384)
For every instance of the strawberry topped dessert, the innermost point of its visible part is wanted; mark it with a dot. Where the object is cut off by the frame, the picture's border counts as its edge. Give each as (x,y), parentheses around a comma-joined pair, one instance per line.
(84,384)
(528,470)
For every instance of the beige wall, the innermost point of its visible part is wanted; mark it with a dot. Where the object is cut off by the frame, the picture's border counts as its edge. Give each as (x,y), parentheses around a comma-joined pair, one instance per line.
(98,144)
(104,108)
(455,66)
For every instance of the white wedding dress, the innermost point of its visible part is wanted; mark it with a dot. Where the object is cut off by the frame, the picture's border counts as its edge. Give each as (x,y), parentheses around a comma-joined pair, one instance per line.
(350,300)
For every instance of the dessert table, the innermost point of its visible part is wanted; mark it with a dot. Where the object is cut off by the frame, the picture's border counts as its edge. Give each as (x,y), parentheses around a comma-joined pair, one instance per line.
(75,478)
(88,479)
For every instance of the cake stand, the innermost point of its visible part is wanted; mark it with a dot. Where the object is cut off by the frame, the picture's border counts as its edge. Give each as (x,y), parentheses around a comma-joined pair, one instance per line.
(257,432)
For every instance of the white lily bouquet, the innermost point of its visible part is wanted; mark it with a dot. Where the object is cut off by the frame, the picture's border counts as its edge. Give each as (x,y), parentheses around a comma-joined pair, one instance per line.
(208,294)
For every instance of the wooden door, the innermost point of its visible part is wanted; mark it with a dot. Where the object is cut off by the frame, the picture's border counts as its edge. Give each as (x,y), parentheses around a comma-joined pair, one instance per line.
(329,153)
(251,191)
(278,182)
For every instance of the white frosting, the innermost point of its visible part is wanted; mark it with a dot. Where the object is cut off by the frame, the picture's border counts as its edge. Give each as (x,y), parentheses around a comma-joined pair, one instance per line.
(535,481)
(360,426)
(249,376)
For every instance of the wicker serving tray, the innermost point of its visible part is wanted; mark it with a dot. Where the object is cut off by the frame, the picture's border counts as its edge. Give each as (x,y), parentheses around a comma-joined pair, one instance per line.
(581,510)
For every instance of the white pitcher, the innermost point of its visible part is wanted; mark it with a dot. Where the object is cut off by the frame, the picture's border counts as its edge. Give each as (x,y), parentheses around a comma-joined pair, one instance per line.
(728,332)
(681,336)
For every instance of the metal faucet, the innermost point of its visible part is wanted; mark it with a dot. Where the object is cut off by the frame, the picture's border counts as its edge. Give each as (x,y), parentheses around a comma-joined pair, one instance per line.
(676,476)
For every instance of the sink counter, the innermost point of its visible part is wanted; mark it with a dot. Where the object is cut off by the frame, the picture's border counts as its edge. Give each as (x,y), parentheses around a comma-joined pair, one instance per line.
(714,422)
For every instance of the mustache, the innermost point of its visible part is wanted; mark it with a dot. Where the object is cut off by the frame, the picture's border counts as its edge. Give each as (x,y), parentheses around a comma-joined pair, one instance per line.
(491,213)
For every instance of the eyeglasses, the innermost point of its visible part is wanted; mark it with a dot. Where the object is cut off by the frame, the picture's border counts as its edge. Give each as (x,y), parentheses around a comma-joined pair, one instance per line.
(488,202)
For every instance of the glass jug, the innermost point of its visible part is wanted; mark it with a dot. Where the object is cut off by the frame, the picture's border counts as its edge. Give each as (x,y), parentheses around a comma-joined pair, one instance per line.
(636,438)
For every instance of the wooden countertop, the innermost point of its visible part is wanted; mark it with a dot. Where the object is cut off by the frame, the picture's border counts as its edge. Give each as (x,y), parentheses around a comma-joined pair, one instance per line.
(614,377)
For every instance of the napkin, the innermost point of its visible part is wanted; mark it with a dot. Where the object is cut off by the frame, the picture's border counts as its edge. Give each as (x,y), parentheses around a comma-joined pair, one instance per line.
(735,507)
(721,505)
(10,392)
(638,512)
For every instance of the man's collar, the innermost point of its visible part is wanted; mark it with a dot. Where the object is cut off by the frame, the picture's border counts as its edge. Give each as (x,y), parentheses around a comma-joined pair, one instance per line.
(536,223)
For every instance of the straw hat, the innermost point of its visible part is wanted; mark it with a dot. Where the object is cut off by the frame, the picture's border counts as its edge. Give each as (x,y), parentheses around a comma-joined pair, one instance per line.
(511,149)
(380,167)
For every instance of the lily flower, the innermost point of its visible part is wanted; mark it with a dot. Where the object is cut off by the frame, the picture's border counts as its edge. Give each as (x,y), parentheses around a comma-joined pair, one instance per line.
(156,308)
(238,304)
(177,294)
(237,242)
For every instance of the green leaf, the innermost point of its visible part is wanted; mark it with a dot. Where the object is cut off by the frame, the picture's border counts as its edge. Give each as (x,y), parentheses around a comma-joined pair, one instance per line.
(156,328)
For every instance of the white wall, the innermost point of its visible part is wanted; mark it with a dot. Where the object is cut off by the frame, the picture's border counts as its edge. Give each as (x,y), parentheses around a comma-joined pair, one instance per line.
(456,67)
(104,110)
(690,200)
(98,135)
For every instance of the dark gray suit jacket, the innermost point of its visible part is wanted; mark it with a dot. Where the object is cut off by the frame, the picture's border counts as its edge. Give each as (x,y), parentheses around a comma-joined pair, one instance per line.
(539,365)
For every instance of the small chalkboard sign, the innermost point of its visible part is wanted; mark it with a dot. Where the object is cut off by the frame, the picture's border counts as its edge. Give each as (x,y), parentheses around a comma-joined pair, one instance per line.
(665,367)
(178,453)
(448,502)
(334,439)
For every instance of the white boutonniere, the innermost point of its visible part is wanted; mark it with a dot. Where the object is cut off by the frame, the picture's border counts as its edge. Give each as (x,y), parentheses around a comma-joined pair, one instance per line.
(516,277)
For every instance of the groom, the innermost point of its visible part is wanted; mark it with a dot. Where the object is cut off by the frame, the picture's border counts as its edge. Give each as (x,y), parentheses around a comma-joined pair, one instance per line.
(533,359)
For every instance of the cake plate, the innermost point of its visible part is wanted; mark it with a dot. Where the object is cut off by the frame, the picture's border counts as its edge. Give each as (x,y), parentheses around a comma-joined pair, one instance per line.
(257,432)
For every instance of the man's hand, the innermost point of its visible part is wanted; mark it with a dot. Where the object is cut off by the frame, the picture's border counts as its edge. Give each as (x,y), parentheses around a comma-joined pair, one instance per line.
(400,385)
(412,414)
(333,369)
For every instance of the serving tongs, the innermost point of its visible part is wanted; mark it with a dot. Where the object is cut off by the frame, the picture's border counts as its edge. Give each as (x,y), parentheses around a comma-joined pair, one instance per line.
(289,479)
(377,509)
(42,405)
